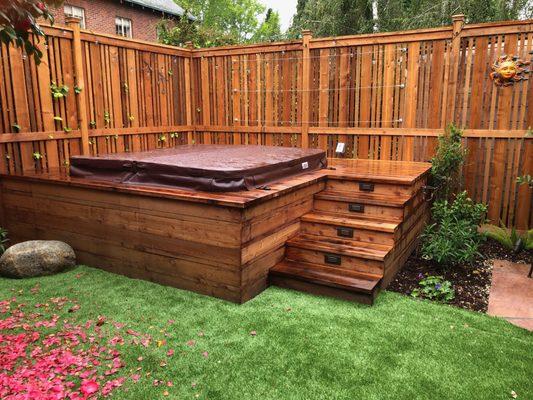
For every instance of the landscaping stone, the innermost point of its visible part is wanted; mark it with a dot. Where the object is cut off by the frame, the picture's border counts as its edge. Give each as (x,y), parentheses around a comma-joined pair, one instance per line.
(36,258)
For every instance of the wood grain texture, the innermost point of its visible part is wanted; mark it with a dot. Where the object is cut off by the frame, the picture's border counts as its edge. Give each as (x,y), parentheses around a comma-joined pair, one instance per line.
(386,96)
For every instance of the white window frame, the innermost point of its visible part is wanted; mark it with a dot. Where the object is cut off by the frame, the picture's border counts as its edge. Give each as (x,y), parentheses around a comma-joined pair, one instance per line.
(75,11)
(123,27)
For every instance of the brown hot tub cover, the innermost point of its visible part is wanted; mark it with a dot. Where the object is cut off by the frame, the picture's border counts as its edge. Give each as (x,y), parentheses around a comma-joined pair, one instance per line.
(201,167)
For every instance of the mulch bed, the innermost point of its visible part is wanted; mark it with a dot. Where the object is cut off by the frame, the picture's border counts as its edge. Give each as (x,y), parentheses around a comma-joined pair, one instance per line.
(470,281)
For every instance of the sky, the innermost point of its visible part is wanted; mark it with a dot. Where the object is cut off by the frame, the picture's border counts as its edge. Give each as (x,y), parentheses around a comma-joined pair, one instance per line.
(285,8)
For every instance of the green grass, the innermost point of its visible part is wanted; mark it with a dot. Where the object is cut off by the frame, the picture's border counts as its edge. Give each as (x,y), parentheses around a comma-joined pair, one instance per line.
(306,347)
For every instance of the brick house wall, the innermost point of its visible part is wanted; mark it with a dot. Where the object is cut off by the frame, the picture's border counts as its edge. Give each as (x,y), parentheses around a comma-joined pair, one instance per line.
(100,17)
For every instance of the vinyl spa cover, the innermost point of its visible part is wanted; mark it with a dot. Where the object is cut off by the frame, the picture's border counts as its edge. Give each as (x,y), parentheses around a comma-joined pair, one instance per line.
(213,168)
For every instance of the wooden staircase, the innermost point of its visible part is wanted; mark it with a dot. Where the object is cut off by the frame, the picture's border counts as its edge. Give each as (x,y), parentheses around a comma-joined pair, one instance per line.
(360,232)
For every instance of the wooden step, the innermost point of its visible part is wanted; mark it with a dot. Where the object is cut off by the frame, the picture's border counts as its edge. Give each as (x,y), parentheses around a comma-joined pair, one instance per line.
(363,228)
(357,222)
(378,199)
(324,280)
(357,204)
(389,186)
(341,254)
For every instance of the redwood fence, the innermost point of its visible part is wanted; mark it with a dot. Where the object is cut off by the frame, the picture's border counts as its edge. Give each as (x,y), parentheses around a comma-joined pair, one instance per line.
(387,96)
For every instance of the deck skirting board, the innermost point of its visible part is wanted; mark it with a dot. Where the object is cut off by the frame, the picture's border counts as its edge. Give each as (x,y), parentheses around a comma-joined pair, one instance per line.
(221,245)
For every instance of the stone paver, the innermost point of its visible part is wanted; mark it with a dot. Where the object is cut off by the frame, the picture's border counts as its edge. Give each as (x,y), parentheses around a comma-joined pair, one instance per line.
(511,293)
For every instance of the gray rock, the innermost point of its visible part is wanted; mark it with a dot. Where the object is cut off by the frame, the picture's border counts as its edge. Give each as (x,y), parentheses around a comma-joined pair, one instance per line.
(36,258)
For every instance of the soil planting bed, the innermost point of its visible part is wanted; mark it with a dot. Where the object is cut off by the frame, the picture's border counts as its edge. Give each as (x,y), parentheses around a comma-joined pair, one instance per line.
(470,281)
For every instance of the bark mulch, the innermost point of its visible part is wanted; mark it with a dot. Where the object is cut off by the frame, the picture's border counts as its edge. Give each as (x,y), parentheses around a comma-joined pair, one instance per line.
(470,281)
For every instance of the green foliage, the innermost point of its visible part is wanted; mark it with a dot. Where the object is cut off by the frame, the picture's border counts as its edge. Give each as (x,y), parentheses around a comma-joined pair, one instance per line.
(447,163)
(19,19)
(107,117)
(453,237)
(269,30)
(332,17)
(400,15)
(199,34)
(510,238)
(58,91)
(435,288)
(348,17)
(37,156)
(525,180)
(16,127)
(220,23)
(3,240)
(77,89)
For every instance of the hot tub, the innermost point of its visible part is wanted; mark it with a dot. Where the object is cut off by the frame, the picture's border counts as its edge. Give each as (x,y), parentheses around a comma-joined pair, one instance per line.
(213,168)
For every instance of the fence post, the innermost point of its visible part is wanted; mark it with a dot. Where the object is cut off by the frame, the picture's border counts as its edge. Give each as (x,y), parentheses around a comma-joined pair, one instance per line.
(449,100)
(81,100)
(306,83)
(188,92)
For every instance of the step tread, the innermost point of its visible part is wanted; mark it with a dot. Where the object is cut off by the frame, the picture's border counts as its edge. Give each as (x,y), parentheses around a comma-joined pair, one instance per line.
(327,276)
(363,197)
(356,221)
(350,248)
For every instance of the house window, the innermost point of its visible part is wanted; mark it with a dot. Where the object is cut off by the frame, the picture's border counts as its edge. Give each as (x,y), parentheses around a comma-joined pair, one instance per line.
(123,26)
(78,12)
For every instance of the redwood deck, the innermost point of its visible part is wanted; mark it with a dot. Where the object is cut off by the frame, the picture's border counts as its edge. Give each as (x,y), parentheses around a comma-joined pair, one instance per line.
(343,231)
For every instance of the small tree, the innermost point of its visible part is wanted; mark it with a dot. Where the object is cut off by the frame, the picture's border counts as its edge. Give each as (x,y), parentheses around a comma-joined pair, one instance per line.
(19,18)
(447,163)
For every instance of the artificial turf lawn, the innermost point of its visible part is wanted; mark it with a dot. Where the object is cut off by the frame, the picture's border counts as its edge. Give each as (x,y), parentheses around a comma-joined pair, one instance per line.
(306,347)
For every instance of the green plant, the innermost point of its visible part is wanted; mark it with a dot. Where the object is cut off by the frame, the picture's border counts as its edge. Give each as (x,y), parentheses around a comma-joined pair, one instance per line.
(20,18)
(107,117)
(16,127)
(58,92)
(37,156)
(435,288)
(56,118)
(453,235)
(3,240)
(77,89)
(447,163)
(525,180)
(510,238)
(66,129)
(92,124)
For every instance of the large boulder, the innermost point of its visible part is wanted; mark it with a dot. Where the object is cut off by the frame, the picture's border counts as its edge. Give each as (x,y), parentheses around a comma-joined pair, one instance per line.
(36,258)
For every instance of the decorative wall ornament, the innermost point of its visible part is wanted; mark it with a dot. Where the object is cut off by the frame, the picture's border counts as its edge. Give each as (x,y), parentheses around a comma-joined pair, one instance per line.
(509,69)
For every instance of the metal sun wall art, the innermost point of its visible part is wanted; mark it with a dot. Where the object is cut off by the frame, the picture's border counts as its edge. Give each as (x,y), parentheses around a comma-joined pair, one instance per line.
(509,69)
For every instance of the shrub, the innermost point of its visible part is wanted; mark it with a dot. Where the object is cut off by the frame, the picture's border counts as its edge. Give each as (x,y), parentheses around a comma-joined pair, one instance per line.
(3,240)
(447,163)
(453,236)
(510,238)
(435,288)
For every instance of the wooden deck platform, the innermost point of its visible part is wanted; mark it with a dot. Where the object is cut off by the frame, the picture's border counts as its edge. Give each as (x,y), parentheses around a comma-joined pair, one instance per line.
(343,231)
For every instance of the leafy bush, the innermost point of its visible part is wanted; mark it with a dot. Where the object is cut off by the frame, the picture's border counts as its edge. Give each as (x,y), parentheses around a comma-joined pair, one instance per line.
(447,163)
(453,236)
(20,18)
(3,240)
(435,288)
(510,238)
